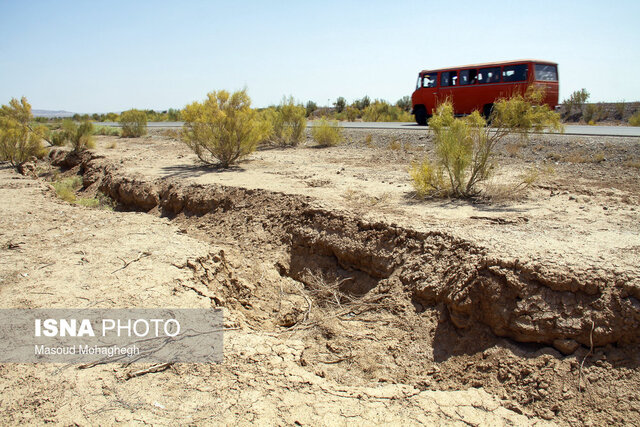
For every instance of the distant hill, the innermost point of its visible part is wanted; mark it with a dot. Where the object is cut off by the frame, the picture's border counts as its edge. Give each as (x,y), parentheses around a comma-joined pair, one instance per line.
(51,113)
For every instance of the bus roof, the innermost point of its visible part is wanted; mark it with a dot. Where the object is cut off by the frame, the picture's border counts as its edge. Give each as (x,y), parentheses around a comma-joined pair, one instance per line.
(490,64)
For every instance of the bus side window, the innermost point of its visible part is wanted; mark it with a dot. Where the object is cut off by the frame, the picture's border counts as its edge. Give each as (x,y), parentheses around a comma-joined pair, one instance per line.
(489,75)
(429,80)
(514,73)
(464,77)
(473,76)
(444,79)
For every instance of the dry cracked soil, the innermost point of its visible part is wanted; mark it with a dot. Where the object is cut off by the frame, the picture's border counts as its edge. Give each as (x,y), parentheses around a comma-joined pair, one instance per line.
(347,300)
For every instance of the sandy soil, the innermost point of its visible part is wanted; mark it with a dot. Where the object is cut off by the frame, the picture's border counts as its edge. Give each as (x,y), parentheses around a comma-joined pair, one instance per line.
(348,300)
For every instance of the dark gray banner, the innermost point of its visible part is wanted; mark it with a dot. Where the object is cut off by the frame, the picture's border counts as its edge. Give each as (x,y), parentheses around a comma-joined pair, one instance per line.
(111,335)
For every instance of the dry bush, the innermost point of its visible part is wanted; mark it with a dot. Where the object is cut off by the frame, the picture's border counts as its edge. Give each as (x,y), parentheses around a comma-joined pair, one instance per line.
(327,133)
(360,199)
(19,140)
(134,123)
(635,119)
(223,128)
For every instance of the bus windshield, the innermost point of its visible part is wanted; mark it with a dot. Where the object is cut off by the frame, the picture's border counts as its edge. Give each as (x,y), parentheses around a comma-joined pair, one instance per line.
(546,73)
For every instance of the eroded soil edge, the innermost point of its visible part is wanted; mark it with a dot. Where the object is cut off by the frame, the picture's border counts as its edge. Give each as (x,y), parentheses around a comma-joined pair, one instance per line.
(514,298)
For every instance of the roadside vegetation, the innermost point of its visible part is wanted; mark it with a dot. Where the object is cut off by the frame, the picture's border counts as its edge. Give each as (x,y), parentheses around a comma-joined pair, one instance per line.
(635,119)
(465,147)
(574,104)
(223,129)
(287,122)
(327,133)
(134,123)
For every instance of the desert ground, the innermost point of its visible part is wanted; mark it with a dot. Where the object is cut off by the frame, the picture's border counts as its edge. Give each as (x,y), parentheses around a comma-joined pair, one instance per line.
(347,299)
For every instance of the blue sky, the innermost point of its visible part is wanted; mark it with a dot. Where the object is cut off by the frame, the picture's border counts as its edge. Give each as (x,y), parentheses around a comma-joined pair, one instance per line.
(110,56)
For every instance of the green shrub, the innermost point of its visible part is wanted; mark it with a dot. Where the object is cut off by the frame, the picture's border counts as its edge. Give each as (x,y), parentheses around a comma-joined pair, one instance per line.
(464,147)
(340,104)
(352,113)
(381,111)
(289,122)
(593,113)
(57,138)
(576,101)
(404,103)
(134,123)
(67,187)
(327,133)
(107,131)
(18,139)
(78,135)
(224,127)
(635,119)
(619,110)
(311,107)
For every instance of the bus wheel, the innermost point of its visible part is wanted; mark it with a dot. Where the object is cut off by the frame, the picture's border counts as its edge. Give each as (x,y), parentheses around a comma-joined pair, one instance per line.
(421,116)
(486,112)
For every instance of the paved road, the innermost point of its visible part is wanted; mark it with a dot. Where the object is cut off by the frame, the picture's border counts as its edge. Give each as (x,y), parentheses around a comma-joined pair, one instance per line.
(568,129)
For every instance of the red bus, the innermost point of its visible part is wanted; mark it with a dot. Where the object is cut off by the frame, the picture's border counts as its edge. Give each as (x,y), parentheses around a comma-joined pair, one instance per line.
(477,87)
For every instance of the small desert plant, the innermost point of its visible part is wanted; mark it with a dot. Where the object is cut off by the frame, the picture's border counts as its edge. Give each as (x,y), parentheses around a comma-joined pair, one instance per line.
(134,123)
(352,113)
(635,119)
(289,122)
(404,103)
(340,104)
(223,127)
(327,133)
(311,107)
(66,188)
(381,111)
(57,138)
(575,101)
(19,141)
(465,146)
(106,131)
(593,113)
(619,110)
(78,135)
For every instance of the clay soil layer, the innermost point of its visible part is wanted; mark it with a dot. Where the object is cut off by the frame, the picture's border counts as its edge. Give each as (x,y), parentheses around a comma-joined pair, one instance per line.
(347,299)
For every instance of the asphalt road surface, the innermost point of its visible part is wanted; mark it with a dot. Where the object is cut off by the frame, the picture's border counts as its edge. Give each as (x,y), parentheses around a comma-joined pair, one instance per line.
(568,129)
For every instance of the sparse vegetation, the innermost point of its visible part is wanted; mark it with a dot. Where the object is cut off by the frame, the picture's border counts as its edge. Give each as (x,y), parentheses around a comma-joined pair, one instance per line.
(327,133)
(340,104)
(311,107)
(404,103)
(288,121)
(19,140)
(465,146)
(593,113)
(619,110)
(575,102)
(134,123)
(223,128)
(107,131)
(381,111)
(78,135)
(635,119)
(66,189)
